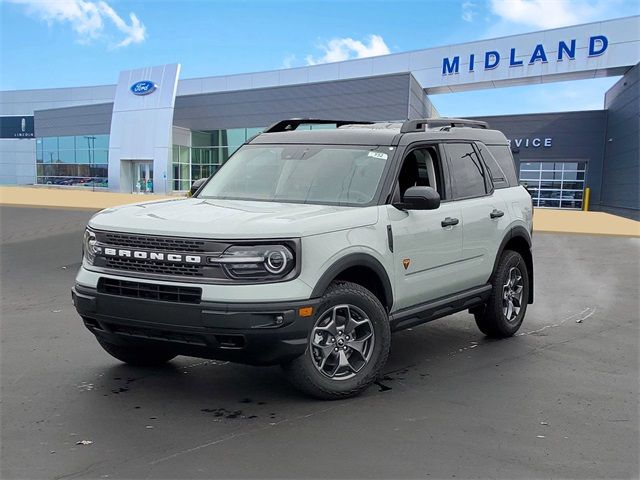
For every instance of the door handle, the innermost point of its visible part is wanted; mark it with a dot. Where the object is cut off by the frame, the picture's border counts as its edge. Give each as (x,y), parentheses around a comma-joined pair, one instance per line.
(496,213)
(449,222)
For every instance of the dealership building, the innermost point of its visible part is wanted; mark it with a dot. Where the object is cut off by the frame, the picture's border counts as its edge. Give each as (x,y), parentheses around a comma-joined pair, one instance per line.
(153,131)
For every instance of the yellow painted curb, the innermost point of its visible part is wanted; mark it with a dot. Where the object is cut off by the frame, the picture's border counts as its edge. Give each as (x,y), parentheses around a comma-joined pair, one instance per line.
(589,223)
(68,198)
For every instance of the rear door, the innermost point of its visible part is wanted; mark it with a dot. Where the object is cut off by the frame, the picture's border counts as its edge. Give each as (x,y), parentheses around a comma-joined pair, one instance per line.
(484,213)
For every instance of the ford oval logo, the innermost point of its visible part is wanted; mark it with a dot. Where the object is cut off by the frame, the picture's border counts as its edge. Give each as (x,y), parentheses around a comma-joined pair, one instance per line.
(144,87)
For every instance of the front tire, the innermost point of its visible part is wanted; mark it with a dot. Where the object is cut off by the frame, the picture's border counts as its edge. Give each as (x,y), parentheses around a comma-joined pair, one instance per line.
(504,312)
(347,347)
(142,356)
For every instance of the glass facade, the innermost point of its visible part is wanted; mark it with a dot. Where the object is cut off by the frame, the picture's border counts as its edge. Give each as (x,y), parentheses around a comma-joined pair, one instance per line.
(554,184)
(73,160)
(208,152)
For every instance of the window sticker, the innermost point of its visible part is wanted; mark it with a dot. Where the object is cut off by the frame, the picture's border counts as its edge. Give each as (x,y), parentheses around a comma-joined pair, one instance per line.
(381,155)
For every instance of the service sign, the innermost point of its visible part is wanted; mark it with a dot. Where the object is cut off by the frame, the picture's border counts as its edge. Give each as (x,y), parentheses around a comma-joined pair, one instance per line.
(17,127)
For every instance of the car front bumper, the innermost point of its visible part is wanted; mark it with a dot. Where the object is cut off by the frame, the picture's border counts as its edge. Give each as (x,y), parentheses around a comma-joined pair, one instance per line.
(251,333)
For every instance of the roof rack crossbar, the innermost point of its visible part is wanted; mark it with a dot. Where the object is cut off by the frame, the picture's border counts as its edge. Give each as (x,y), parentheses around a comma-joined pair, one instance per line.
(294,123)
(419,125)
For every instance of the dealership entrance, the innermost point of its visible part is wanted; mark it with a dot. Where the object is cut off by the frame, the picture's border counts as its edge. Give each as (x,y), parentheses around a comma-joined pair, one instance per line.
(137,176)
(142,177)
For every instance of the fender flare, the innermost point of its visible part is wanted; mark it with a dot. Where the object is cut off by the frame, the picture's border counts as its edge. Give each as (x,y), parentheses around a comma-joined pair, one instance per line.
(354,260)
(517,232)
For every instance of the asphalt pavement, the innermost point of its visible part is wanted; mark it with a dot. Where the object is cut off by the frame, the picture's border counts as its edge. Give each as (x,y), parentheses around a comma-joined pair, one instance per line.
(559,400)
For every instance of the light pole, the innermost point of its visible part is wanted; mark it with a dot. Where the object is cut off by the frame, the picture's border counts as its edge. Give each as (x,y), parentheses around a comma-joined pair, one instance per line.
(91,145)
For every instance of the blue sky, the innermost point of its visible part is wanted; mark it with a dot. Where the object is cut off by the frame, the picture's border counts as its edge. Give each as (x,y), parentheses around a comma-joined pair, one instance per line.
(49,43)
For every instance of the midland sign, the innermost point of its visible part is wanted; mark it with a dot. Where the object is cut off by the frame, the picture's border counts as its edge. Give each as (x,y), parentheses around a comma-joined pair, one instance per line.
(564,50)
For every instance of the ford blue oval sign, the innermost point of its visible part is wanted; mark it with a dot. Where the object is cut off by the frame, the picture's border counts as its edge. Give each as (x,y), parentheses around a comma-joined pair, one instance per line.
(144,87)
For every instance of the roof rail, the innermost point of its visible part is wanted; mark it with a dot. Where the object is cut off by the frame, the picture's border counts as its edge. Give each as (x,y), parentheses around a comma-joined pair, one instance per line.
(293,123)
(419,125)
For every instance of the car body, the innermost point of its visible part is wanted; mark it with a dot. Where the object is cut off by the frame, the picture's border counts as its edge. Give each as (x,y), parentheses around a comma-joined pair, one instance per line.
(410,221)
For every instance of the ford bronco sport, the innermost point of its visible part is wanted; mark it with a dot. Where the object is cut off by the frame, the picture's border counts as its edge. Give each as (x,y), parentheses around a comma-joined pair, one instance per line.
(308,248)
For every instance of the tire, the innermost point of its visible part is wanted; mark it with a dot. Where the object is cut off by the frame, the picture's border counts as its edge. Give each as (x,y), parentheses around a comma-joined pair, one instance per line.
(510,288)
(137,355)
(347,347)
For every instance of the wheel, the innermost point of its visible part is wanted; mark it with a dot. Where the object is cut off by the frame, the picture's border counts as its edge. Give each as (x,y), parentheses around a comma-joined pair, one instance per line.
(347,346)
(137,355)
(503,313)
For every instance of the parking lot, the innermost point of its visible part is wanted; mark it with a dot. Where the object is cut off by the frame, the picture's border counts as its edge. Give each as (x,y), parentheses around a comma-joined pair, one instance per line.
(559,400)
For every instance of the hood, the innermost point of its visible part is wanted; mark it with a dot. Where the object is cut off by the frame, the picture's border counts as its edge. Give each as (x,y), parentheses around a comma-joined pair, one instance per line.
(231,219)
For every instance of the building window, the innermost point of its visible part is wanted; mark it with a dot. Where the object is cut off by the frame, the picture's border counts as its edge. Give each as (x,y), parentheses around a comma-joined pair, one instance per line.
(209,151)
(80,160)
(554,184)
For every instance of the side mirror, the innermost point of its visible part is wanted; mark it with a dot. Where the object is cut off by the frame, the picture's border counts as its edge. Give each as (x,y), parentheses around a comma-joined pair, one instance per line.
(420,198)
(195,186)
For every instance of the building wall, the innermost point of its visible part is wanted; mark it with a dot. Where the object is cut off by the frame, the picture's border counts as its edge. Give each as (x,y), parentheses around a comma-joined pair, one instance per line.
(575,136)
(17,161)
(375,98)
(621,171)
(82,120)
(17,156)
(419,104)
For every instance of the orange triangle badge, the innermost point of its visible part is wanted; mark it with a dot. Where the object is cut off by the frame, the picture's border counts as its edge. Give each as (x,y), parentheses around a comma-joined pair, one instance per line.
(406,262)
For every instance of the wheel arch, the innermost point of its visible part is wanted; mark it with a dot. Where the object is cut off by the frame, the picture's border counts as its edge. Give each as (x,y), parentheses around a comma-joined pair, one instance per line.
(362,269)
(518,239)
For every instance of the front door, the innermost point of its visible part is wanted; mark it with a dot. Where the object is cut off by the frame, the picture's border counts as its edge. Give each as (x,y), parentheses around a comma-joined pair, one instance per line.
(426,253)
(142,177)
(427,243)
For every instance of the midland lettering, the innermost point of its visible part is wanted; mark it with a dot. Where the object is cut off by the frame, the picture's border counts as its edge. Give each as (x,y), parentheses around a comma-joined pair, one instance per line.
(491,59)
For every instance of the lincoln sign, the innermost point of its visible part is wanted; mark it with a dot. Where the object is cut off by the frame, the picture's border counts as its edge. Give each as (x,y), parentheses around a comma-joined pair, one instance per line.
(491,59)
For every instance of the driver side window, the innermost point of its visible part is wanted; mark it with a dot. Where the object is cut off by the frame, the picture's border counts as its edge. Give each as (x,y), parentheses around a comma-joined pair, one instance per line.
(420,167)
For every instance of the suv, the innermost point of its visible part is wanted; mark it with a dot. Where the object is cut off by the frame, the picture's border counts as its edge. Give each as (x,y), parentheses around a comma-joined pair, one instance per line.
(309,247)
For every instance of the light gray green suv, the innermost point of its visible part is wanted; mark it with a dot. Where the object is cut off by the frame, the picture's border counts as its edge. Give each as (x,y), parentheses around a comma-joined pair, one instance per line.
(308,248)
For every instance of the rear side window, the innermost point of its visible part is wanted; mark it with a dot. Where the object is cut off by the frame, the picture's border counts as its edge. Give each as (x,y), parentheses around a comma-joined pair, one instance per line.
(502,154)
(497,174)
(468,174)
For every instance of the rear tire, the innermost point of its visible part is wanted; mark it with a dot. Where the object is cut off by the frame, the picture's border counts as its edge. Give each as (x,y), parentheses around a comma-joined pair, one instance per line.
(347,347)
(504,312)
(137,355)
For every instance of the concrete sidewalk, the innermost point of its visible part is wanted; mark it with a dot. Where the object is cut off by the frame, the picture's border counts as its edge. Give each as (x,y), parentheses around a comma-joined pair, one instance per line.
(544,220)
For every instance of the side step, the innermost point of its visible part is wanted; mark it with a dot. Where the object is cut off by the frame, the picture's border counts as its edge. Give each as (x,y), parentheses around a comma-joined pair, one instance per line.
(438,308)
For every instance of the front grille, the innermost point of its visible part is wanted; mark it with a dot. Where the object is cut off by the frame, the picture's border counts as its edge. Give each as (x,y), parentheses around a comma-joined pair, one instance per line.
(150,267)
(155,243)
(150,291)
(146,266)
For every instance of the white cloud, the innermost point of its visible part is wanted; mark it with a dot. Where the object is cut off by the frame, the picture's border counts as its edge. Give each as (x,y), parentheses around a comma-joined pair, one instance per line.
(288,61)
(90,20)
(549,13)
(339,49)
(468,11)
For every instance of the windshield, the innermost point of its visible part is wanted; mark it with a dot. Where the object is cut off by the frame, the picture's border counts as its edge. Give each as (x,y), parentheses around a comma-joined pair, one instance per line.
(324,174)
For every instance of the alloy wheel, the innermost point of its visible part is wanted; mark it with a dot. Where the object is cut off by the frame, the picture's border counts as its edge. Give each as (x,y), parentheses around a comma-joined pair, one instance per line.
(512,292)
(341,343)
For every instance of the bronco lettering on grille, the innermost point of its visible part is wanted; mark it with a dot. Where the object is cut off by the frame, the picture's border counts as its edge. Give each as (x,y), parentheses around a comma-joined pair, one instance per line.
(146,255)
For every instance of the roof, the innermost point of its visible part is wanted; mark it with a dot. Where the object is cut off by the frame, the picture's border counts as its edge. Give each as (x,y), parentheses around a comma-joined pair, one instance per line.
(385,133)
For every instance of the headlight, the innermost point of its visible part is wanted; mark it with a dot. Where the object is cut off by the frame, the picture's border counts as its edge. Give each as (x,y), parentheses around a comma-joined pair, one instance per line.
(257,262)
(88,246)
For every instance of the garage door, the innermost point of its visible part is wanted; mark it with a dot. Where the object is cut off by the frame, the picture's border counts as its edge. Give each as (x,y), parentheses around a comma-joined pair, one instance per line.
(554,184)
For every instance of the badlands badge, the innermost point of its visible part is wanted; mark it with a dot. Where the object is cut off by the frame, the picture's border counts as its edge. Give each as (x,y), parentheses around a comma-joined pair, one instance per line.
(406,262)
